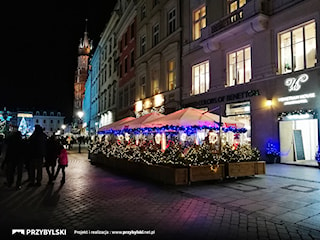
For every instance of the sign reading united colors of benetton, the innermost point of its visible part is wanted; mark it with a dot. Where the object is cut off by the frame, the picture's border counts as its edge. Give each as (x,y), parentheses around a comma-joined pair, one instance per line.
(229,97)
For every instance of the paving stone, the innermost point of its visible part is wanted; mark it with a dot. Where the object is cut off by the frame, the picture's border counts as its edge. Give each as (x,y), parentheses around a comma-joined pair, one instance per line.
(94,198)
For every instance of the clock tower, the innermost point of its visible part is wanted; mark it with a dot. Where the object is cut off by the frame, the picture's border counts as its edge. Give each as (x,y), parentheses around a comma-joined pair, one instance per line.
(81,74)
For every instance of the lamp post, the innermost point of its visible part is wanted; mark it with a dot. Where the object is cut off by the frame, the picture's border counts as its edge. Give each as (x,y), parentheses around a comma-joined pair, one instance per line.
(80,115)
(63,127)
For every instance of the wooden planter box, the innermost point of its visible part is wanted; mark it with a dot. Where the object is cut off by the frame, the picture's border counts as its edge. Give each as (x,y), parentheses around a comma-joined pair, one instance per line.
(204,173)
(172,175)
(260,167)
(240,169)
(166,174)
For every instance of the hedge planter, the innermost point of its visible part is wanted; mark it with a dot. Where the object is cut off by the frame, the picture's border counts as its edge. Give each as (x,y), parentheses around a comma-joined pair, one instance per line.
(240,169)
(204,173)
(260,167)
(172,175)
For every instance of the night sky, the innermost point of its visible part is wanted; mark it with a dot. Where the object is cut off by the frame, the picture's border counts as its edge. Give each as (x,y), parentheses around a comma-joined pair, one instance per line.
(39,49)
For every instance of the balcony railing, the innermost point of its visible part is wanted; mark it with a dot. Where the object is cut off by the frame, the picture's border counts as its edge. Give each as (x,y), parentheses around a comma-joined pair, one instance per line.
(251,9)
(227,21)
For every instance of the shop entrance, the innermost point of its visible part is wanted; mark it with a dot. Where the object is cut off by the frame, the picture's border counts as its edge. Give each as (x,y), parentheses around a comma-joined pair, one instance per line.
(298,141)
(240,112)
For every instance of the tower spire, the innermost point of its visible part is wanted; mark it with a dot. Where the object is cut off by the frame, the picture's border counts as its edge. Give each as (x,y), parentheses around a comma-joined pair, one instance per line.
(85,46)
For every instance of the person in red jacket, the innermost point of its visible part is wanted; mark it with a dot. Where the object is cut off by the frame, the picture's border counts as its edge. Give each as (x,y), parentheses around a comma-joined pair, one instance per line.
(63,163)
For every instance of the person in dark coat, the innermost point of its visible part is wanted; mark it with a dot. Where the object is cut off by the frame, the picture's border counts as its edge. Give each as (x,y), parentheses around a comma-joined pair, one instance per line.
(37,144)
(13,160)
(52,152)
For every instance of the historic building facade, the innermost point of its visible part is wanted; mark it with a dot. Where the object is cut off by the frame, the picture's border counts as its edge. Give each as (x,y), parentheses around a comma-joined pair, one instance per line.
(126,38)
(256,62)
(107,78)
(158,63)
(51,122)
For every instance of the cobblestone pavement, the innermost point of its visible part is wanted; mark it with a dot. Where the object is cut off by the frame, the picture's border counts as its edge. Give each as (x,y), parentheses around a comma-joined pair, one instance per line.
(283,204)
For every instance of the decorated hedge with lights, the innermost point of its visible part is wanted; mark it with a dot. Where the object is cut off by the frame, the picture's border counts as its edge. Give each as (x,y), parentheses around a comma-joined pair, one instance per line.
(175,154)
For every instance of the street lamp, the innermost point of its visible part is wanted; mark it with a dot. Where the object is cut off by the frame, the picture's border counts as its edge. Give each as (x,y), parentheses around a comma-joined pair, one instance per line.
(80,115)
(63,127)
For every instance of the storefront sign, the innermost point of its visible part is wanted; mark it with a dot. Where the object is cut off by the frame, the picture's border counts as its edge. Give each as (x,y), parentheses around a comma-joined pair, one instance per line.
(230,97)
(294,84)
(297,99)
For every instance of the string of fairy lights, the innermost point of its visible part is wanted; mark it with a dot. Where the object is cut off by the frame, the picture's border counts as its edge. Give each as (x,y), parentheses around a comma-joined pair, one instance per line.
(176,154)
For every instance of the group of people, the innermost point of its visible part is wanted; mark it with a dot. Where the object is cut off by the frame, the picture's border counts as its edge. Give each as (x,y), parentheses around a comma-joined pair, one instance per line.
(33,153)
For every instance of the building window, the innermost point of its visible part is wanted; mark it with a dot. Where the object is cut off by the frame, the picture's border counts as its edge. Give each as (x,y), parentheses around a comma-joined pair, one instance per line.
(171,75)
(143,87)
(121,99)
(155,34)
(120,70)
(234,5)
(142,44)
(155,81)
(126,97)
(239,66)
(125,39)
(120,46)
(143,11)
(125,64)
(298,48)
(200,78)
(155,3)
(132,31)
(132,93)
(113,94)
(105,100)
(199,21)
(172,21)
(132,59)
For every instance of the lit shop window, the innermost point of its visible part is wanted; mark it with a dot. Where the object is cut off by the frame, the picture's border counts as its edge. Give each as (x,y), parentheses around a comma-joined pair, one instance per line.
(298,48)
(200,78)
(199,21)
(239,66)
(172,74)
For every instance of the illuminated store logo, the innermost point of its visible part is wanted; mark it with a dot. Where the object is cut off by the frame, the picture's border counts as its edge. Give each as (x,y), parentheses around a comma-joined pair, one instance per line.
(294,84)
(297,99)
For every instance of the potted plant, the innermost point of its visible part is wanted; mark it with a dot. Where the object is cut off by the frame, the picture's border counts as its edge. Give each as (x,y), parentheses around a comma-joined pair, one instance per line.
(272,153)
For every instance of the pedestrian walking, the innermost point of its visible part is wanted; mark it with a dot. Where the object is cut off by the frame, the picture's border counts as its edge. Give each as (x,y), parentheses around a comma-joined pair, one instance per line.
(69,140)
(63,163)
(37,143)
(13,157)
(52,152)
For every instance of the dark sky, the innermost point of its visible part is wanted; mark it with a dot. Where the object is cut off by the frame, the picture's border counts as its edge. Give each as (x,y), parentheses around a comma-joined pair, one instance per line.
(39,47)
